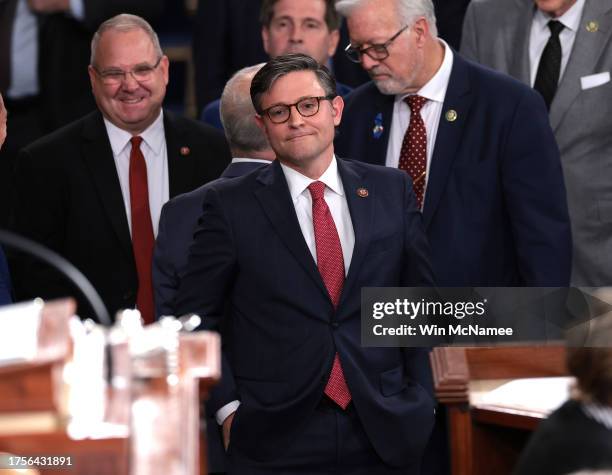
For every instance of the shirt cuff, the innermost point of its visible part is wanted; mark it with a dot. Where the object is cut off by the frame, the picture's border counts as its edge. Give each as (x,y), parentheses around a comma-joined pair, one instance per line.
(226,411)
(77,9)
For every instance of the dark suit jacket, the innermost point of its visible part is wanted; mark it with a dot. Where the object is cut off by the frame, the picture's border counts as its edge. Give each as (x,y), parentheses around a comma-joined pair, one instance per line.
(495,208)
(177,223)
(5,281)
(69,199)
(567,442)
(249,254)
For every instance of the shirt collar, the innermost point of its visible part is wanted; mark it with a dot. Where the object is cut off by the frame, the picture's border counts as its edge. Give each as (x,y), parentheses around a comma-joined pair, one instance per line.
(250,160)
(152,136)
(435,88)
(599,413)
(298,183)
(570,19)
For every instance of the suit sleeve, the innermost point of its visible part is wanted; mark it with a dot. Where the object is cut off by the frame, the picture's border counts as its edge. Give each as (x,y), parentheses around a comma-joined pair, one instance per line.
(205,288)
(534,190)
(165,279)
(469,37)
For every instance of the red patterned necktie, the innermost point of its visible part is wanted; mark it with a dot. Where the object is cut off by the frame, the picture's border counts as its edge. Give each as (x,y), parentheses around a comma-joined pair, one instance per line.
(331,267)
(413,156)
(142,230)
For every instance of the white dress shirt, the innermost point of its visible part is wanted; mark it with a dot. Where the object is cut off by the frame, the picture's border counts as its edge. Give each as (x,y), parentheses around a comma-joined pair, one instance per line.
(154,150)
(540,33)
(435,91)
(302,201)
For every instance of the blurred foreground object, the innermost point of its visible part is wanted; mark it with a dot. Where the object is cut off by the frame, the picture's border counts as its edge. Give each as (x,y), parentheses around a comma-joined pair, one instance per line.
(123,400)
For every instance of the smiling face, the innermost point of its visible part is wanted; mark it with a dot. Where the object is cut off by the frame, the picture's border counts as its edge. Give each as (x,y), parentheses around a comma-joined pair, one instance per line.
(130,105)
(298,26)
(405,69)
(302,143)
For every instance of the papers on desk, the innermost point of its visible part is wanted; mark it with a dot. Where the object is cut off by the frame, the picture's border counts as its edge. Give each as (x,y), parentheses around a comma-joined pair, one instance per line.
(536,395)
(19,326)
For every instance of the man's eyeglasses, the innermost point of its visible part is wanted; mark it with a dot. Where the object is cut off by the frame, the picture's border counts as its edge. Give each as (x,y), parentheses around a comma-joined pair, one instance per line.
(376,52)
(307,107)
(141,73)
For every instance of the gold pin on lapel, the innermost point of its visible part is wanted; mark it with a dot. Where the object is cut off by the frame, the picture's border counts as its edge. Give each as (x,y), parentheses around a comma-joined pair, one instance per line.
(592,26)
(185,151)
(362,192)
(451,115)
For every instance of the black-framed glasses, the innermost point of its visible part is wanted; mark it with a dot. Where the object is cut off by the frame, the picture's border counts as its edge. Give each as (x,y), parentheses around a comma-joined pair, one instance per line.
(376,52)
(140,73)
(307,107)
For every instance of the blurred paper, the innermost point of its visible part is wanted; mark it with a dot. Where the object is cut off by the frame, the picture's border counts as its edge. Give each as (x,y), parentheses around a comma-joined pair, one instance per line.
(19,326)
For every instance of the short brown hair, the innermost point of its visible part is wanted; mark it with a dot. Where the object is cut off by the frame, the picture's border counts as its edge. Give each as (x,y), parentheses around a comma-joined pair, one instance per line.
(280,66)
(592,366)
(332,18)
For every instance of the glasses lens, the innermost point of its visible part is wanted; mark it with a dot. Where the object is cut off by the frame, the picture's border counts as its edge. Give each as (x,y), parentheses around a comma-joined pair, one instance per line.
(377,52)
(112,77)
(278,114)
(142,74)
(353,54)
(308,106)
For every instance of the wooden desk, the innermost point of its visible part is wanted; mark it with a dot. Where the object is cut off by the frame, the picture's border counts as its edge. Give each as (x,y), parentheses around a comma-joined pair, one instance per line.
(486,439)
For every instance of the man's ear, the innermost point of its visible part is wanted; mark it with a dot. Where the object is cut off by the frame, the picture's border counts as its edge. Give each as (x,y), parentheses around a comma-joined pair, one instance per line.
(337,104)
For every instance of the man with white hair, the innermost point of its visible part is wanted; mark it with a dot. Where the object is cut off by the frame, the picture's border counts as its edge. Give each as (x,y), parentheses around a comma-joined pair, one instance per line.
(477,145)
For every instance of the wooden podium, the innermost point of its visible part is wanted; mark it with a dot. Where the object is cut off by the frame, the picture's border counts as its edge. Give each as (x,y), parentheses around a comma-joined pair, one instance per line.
(149,406)
(487,439)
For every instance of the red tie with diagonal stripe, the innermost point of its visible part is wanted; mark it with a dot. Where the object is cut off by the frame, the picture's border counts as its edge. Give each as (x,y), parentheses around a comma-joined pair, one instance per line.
(142,230)
(331,267)
(413,156)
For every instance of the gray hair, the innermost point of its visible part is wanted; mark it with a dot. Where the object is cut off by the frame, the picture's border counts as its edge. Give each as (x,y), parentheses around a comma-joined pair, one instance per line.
(123,23)
(280,66)
(408,10)
(238,114)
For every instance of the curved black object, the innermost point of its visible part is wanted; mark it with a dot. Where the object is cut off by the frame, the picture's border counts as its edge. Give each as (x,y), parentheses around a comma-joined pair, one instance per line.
(63,266)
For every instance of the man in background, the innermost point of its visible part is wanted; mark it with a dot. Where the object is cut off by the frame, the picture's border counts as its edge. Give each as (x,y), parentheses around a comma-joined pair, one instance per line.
(93,191)
(563,49)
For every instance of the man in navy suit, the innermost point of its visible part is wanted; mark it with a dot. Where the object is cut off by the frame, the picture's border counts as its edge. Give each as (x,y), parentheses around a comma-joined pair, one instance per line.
(494,204)
(282,254)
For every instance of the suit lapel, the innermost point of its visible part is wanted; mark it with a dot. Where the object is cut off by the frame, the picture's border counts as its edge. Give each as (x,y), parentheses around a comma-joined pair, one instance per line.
(587,49)
(379,138)
(276,202)
(516,40)
(98,156)
(361,210)
(181,162)
(459,99)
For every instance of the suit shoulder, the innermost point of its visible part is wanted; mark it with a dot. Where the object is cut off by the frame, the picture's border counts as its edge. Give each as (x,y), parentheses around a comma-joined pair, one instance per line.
(68,135)
(374,171)
(191,197)
(365,91)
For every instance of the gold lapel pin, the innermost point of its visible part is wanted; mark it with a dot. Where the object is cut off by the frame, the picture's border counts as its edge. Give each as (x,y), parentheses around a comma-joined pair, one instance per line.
(592,26)
(362,192)
(451,115)
(185,151)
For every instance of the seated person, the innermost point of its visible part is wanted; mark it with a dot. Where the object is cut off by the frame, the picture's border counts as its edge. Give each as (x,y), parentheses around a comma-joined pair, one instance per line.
(578,435)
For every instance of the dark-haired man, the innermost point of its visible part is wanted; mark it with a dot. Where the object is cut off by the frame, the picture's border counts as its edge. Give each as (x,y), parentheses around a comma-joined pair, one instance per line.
(286,251)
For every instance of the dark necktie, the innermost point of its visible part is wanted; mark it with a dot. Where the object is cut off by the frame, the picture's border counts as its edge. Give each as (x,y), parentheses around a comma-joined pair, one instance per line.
(413,156)
(549,69)
(7,17)
(142,230)
(331,267)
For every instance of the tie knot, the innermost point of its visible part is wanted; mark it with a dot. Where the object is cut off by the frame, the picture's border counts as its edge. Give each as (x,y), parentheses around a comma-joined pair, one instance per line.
(317,190)
(136,141)
(415,103)
(555,27)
